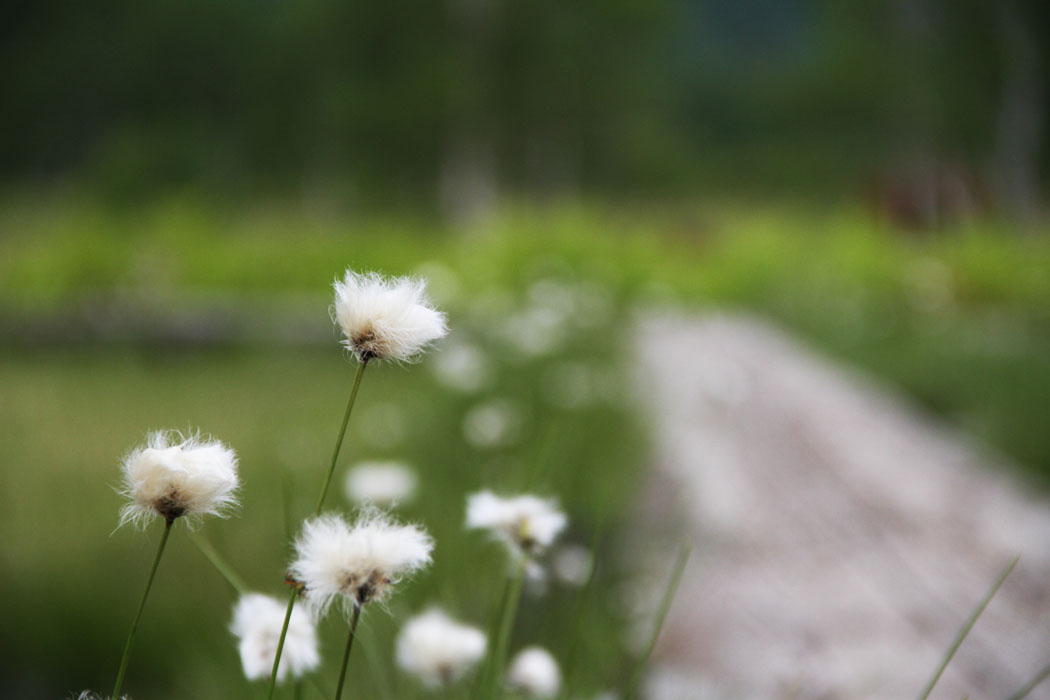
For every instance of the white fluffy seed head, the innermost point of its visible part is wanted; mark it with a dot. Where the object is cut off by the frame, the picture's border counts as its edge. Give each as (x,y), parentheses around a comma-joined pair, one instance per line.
(385,318)
(380,483)
(534,672)
(175,475)
(438,649)
(257,623)
(526,524)
(356,563)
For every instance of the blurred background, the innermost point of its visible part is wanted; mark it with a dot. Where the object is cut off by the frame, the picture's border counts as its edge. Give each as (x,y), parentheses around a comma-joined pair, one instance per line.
(180,182)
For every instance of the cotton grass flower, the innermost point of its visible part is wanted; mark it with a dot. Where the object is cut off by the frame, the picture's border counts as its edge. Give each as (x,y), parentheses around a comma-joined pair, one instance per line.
(380,483)
(175,475)
(493,423)
(438,649)
(359,563)
(257,622)
(527,524)
(463,367)
(572,564)
(535,673)
(385,318)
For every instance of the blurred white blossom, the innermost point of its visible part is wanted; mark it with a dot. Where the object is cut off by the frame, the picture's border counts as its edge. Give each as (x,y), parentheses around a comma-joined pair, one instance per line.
(572,564)
(438,649)
(463,367)
(257,623)
(380,483)
(527,524)
(535,673)
(494,423)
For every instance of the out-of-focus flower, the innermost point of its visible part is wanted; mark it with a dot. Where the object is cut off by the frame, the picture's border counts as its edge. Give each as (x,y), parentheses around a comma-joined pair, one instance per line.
(526,524)
(172,476)
(572,564)
(463,367)
(257,623)
(534,672)
(535,331)
(437,648)
(494,423)
(356,563)
(380,483)
(385,318)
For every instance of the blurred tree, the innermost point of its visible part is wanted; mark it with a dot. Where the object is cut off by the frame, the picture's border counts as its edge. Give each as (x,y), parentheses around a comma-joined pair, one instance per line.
(459,100)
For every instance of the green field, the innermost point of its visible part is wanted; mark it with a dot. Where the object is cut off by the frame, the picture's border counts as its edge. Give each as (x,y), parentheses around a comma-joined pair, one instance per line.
(959,320)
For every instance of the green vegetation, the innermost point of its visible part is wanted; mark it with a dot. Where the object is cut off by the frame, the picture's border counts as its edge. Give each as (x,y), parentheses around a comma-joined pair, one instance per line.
(961,322)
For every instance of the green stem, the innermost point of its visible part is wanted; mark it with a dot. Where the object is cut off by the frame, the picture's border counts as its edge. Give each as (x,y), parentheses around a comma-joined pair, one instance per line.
(212,555)
(280,642)
(342,433)
(317,511)
(138,615)
(506,625)
(957,642)
(346,654)
(661,615)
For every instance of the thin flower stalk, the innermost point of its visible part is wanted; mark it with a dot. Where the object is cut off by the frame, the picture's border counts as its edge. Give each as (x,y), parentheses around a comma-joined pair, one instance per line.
(173,476)
(500,649)
(970,622)
(221,565)
(142,605)
(661,616)
(317,511)
(382,319)
(346,654)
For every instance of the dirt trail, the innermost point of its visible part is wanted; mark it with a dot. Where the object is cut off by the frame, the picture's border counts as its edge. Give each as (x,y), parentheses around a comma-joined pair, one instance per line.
(841,538)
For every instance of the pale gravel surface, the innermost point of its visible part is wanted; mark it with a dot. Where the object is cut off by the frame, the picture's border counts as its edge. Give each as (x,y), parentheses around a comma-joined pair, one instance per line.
(841,537)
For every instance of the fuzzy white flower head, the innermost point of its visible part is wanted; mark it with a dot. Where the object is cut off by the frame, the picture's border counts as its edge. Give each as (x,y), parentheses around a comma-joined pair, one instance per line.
(380,483)
(173,475)
(535,673)
(257,623)
(385,318)
(356,563)
(526,524)
(437,648)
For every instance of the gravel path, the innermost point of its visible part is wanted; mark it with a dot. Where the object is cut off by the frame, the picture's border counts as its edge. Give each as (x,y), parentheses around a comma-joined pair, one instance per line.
(841,538)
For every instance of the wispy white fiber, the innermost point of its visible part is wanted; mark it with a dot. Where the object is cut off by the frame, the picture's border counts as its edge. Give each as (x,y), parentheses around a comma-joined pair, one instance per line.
(535,673)
(385,318)
(356,563)
(380,483)
(438,649)
(257,622)
(527,524)
(175,475)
